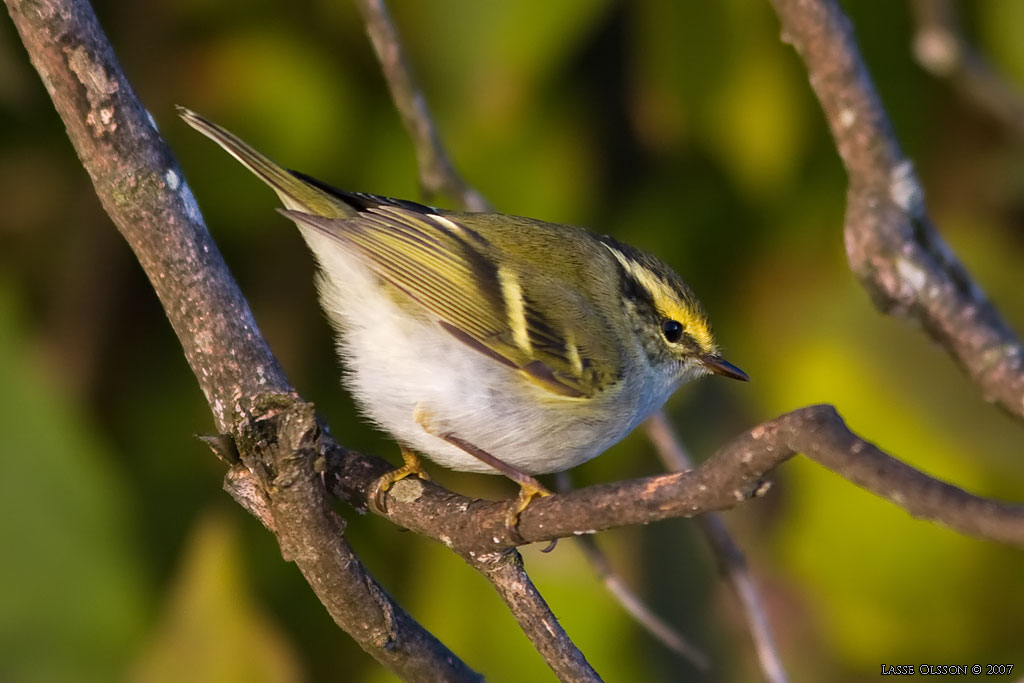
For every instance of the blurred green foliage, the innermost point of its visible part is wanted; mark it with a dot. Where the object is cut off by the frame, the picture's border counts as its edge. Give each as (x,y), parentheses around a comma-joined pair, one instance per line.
(686,128)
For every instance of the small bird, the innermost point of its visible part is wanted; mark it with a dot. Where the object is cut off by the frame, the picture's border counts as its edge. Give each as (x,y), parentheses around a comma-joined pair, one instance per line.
(490,343)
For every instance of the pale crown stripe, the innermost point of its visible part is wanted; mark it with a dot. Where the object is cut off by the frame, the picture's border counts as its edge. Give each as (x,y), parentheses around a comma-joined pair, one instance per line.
(641,274)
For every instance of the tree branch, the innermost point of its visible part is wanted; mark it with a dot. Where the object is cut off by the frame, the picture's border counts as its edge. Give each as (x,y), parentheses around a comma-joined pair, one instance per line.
(891,244)
(734,473)
(282,447)
(505,571)
(143,190)
(417,120)
(661,630)
(437,172)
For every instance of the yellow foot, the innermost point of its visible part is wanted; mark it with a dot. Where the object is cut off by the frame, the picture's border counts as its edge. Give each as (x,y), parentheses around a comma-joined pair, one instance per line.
(529,488)
(412,466)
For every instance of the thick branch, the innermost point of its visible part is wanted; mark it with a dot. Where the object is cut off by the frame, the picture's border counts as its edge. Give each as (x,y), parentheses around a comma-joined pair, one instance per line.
(143,191)
(286,444)
(890,241)
(733,474)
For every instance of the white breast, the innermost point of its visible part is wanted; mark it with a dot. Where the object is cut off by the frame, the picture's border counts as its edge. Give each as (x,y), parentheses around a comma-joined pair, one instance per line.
(396,363)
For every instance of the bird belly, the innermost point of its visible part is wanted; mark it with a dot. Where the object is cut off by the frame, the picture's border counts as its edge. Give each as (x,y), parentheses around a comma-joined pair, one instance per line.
(433,385)
(418,382)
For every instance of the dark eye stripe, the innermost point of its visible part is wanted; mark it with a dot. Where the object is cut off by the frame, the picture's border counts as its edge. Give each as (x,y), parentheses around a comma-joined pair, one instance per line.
(632,290)
(643,299)
(689,341)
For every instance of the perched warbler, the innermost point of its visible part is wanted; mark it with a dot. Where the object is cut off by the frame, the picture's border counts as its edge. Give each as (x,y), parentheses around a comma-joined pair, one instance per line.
(490,343)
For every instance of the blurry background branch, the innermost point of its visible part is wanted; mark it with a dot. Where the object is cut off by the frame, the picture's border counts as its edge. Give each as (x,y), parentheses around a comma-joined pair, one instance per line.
(731,562)
(437,175)
(436,172)
(638,609)
(941,47)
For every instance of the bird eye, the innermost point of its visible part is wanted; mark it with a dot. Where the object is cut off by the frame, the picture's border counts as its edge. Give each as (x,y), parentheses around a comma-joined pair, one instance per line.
(672,329)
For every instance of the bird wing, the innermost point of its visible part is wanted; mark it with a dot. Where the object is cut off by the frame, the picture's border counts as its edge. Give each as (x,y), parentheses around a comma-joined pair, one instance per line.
(452,270)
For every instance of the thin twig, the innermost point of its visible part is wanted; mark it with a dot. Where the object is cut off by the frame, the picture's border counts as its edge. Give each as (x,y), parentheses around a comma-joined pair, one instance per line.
(731,561)
(660,629)
(142,189)
(891,244)
(437,174)
(632,603)
(940,47)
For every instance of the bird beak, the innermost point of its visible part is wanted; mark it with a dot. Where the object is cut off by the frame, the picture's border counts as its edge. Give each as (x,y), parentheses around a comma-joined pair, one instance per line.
(721,366)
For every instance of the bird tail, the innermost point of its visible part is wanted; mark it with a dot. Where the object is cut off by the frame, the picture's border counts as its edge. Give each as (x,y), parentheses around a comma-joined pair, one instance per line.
(296,193)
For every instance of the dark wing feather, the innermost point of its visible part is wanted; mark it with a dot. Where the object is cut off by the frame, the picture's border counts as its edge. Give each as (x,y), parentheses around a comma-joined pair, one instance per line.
(455,273)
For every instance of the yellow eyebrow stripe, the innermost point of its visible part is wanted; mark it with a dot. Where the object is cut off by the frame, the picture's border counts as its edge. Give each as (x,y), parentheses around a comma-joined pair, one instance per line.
(666,300)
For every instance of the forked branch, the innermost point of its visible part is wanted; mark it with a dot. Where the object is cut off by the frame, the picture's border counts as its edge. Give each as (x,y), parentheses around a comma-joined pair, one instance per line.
(891,243)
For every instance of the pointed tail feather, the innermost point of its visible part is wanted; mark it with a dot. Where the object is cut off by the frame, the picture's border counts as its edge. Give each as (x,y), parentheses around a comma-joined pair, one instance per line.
(295,192)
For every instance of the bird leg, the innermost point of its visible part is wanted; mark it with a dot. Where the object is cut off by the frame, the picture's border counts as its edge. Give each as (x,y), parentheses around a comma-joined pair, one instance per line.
(412,466)
(529,488)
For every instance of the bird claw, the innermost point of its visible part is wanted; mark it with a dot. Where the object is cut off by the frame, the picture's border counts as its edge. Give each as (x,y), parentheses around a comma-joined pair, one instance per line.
(380,487)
